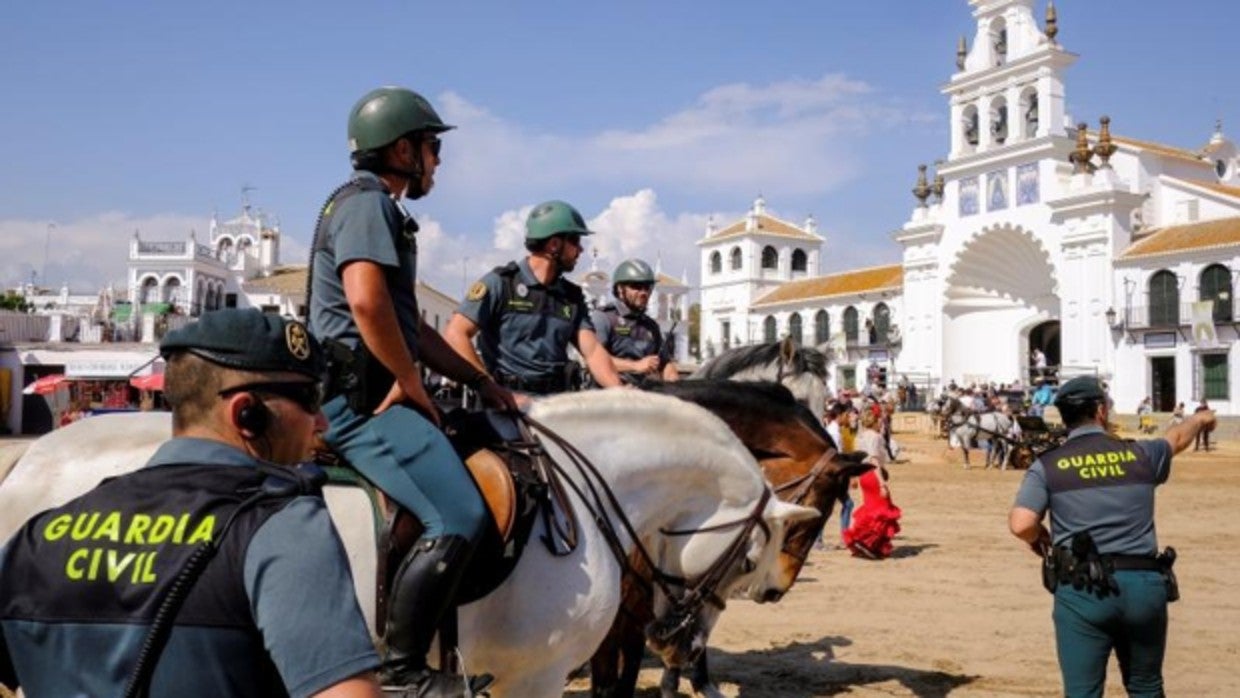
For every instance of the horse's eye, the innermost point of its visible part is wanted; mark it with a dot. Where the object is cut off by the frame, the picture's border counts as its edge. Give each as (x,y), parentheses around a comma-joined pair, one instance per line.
(748,566)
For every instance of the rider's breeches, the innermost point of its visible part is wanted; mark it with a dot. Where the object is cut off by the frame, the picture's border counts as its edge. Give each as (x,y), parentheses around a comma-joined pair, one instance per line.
(404,455)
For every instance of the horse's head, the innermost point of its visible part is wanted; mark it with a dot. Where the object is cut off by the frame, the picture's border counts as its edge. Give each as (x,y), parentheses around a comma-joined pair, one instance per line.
(742,558)
(818,485)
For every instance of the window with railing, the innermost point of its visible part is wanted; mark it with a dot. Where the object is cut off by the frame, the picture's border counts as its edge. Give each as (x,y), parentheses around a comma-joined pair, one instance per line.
(768,329)
(735,255)
(1164,294)
(794,328)
(850,325)
(1216,286)
(882,323)
(822,327)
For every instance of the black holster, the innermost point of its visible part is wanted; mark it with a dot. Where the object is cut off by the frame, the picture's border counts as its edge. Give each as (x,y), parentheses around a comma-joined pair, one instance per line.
(358,375)
(1167,558)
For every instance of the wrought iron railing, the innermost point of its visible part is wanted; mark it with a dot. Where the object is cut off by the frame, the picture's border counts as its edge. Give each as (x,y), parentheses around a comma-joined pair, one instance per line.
(161,247)
(1146,317)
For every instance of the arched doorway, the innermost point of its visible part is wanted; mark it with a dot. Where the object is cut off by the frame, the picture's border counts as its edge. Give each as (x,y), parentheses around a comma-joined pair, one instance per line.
(999,288)
(1044,337)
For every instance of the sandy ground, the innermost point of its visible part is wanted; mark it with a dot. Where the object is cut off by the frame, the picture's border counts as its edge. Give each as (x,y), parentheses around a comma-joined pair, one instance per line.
(959,609)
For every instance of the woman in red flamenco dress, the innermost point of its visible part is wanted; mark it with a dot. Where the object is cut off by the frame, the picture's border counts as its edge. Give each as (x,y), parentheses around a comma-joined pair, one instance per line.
(875,521)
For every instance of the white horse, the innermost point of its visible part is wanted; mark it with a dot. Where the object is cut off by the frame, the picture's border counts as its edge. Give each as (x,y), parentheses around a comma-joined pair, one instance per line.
(989,427)
(671,465)
(803,370)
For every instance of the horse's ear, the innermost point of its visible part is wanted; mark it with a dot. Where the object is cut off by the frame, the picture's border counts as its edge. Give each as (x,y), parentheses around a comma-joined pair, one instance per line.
(787,351)
(790,513)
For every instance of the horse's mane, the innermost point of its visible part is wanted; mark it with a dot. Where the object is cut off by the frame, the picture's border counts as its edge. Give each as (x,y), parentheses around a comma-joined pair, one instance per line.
(625,412)
(745,397)
(734,361)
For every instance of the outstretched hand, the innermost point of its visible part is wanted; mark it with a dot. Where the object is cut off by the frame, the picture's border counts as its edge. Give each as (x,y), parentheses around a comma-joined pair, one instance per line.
(497,396)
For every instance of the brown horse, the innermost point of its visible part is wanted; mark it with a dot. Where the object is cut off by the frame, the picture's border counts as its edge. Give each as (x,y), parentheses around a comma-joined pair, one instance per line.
(803,466)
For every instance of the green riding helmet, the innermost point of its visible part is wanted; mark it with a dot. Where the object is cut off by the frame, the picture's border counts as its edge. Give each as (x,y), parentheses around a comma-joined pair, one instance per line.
(385,114)
(633,271)
(552,218)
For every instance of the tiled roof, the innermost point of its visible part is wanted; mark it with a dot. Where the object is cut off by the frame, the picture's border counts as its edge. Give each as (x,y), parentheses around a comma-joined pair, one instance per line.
(1161,149)
(1216,187)
(849,282)
(1221,232)
(286,281)
(665,280)
(768,225)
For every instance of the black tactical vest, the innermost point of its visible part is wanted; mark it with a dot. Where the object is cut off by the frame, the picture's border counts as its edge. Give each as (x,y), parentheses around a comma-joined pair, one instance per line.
(1096,460)
(109,556)
(632,338)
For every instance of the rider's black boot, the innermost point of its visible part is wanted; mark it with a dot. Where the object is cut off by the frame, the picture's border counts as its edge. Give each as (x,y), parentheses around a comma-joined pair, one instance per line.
(422,591)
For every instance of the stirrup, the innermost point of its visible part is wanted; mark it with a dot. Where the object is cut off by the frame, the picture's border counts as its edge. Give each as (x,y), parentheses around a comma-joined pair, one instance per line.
(428,683)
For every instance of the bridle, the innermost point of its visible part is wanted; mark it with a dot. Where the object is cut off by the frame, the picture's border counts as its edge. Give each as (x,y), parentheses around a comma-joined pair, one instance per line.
(800,488)
(599,500)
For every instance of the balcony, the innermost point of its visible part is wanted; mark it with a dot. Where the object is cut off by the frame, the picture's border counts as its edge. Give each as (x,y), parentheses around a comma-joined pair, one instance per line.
(1144,317)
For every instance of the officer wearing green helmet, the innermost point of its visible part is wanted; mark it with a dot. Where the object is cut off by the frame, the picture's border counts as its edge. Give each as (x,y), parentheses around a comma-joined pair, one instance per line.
(1100,555)
(632,337)
(526,313)
(363,309)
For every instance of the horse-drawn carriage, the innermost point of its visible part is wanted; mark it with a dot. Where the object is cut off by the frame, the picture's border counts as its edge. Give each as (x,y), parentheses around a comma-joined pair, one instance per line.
(1036,437)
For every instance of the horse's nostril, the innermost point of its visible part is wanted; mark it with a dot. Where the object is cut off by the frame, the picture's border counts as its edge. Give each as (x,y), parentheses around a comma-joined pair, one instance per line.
(772,595)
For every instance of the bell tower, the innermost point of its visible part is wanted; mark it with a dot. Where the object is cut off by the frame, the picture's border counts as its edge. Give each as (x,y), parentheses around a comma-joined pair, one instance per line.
(1008,87)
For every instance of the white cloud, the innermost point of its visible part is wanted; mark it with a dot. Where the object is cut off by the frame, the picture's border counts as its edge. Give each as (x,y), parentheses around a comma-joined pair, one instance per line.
(792,137)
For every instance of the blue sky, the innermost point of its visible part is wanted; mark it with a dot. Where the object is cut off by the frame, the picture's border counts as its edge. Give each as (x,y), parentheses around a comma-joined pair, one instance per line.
(649,116)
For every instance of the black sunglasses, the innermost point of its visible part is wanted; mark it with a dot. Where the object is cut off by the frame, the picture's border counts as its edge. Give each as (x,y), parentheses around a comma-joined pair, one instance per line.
(642,286)
(307,394)
(434,143)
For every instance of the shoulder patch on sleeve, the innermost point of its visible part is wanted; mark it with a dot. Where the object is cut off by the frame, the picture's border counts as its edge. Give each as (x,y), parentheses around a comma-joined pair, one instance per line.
(476,292)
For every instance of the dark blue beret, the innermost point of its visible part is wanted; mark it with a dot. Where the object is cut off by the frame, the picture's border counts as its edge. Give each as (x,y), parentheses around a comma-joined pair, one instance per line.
(1080,390)
(249,340)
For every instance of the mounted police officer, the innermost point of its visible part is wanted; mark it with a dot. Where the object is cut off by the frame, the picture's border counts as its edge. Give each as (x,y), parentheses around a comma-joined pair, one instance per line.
(80,584)
(363,307)
(633,338)
(526,313)
(1101,557)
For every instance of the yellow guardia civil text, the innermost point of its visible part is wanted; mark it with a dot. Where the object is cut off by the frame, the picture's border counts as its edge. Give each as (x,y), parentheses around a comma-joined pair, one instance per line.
(1104,464)
(94,559)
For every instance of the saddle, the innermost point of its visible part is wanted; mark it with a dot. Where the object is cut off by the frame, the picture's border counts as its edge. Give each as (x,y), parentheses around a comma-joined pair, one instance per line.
(509,467)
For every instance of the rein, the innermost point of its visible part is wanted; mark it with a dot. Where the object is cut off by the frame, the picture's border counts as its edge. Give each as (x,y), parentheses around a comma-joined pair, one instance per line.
(603,506)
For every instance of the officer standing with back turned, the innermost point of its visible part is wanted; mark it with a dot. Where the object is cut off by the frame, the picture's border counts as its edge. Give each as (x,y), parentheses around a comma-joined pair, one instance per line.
(633,338)
(1100,556)
(363,309)
(272,613)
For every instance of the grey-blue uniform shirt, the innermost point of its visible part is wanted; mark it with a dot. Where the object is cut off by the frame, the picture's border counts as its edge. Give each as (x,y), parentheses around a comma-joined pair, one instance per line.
(366,225)
(1120,518)
(525,330)
(306,616)
(633,335)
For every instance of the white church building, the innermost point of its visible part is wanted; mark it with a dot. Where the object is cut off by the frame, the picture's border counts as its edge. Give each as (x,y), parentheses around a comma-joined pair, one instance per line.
(1113,256)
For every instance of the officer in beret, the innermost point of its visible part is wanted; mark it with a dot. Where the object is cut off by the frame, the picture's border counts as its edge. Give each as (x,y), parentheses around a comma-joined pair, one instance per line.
(363,307)
(633,338)
(244,389)
(1101,556)
(526,314)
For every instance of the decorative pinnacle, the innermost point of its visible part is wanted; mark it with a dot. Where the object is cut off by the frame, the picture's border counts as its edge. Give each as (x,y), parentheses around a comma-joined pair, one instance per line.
(922,190)
(1105,148)
(1081,155)
(1052,21)
(939,185)
(962,51)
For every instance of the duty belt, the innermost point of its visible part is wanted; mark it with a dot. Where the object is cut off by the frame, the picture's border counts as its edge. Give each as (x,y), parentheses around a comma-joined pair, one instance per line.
(541,385)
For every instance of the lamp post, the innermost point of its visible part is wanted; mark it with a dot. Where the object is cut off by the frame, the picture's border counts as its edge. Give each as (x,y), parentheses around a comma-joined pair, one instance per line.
(47,246)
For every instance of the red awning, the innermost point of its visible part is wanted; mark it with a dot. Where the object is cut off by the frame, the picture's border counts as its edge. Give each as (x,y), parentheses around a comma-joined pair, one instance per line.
(44,385)
(153,381)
